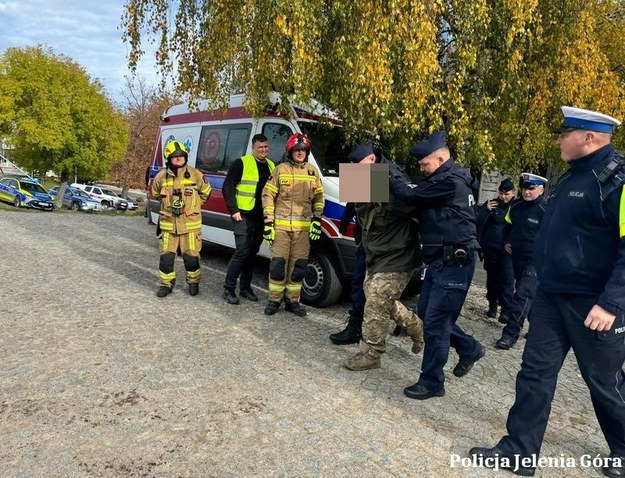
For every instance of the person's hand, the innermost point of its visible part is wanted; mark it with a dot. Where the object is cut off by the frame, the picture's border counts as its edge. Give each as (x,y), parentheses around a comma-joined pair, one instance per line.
(507,247)
(237,217)
(314,231)
(599,319)
(269,233)
(492,204)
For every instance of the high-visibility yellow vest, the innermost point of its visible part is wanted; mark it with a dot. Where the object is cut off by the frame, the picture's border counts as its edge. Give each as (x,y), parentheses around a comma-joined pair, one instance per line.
(246,189)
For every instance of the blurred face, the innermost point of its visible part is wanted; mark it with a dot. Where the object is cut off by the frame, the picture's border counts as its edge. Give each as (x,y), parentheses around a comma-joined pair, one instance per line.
(367,159)
(573,144)
(299,155)
(260,150)
(177,160)
(507,196)
(531,192)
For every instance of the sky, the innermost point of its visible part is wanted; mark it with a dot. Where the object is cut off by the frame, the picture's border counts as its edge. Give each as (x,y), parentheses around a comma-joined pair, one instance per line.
(87,31)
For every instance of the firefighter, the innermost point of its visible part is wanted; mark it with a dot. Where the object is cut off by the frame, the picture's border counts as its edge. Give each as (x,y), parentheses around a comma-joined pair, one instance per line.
(292,207)
(181,190)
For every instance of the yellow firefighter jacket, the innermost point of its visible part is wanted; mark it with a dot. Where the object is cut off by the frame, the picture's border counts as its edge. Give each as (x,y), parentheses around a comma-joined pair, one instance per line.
(292,196)
(187,186)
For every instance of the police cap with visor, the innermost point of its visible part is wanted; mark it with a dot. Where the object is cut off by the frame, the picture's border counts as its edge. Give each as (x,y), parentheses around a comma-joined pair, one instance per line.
(428,145)
(577,118)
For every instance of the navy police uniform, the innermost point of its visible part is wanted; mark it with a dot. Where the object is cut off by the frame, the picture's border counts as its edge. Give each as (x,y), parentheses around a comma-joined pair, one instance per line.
(444,202)
(497,262)
(580,261)
(522,223)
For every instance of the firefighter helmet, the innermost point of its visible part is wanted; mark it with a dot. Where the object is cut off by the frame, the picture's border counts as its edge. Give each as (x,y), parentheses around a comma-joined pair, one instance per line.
(175,148)
(297,141)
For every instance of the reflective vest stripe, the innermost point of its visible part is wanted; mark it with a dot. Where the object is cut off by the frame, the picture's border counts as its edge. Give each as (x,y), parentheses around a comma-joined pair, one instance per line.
(622,214)
(246,189)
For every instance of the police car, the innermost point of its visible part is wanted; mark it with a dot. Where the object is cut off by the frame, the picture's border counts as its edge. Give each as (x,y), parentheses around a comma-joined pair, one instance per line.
(76,200)
(26,192)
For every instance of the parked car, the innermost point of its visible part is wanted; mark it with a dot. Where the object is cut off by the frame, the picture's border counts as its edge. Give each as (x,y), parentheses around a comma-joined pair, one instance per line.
(120,200)
(132,205)
(107,200)
(25,192)
(76,200)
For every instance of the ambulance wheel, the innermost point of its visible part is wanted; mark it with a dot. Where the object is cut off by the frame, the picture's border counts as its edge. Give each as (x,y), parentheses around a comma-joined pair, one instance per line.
(321,286)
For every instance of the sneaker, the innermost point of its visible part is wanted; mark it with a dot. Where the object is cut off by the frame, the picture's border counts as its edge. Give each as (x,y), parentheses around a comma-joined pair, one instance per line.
(295,308)
(362,361)
(230,297)
(194,289)
(248,294)
(272,307)
(163,291)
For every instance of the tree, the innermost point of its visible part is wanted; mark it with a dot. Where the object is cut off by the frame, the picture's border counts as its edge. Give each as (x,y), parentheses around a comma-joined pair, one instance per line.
(493,72)
(142,106)
(55,117)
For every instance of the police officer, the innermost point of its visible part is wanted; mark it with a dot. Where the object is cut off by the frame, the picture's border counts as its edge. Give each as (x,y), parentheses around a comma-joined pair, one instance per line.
(242,191)
(292,205)
(353,331)
(497,262)
(389,240)
(181,190)
(444,203)
(580,300)
(522,222)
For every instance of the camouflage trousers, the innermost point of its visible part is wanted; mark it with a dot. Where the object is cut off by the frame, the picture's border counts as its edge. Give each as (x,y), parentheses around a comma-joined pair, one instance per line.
(382,289)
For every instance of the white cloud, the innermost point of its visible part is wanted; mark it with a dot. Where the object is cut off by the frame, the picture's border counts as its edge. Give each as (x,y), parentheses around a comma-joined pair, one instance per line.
(87,31)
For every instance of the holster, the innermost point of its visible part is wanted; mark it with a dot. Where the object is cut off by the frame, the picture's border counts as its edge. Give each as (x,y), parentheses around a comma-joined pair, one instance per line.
(458,256)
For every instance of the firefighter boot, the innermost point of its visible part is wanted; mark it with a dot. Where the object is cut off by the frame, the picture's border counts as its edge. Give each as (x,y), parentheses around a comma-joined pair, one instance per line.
(163,291)
(272,307)
(366,360)
(492,310)
(194,289)
(294,308)
(351,335)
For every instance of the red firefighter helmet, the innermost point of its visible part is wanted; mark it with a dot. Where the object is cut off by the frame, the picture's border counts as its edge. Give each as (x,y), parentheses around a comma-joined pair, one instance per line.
(297,141)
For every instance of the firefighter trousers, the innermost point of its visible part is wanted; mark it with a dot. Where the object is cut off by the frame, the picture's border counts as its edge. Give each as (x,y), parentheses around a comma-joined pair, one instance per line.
(190,245)
(289,259)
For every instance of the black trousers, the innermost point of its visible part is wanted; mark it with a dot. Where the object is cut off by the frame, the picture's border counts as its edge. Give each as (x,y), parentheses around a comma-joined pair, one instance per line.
(524,292)
(248,237)
(499,277)
(357,311)
(557,324)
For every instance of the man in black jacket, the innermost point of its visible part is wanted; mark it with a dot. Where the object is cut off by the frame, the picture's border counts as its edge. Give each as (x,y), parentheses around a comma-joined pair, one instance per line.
(497,262)
(444,203)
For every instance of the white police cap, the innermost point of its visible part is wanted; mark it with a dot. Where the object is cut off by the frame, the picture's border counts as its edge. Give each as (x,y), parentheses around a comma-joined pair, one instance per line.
(577,118)
(529,179)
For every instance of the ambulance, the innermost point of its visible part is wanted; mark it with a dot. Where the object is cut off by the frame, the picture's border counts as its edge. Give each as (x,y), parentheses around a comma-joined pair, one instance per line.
(215,138)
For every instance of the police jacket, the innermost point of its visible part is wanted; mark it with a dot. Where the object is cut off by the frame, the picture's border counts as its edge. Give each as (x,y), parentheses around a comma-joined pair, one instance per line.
(389,234)
(522,223)
(444,203)
(292,196)
(580,248)
(188,186)
(243,186)
(490,225)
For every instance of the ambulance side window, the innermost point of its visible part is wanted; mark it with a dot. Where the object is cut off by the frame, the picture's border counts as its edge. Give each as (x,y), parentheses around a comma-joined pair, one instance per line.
(277,135)
(220,145)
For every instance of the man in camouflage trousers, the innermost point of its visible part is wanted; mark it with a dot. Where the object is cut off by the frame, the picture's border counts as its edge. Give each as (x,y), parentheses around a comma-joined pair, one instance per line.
(390,241)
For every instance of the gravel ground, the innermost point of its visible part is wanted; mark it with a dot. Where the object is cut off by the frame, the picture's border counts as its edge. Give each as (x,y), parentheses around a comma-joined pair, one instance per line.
(98,377)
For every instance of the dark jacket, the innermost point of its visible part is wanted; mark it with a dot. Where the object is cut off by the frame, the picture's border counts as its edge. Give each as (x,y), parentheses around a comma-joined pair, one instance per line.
(444,202)
(522,223)
(390,236)
(580,248)
(490,225)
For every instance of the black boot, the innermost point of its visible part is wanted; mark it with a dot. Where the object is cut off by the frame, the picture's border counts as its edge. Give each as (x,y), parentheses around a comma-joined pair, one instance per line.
(350,335)
(163,291)
(272,307)
(504,315)
(194,289)
(492,310)
(295,308)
